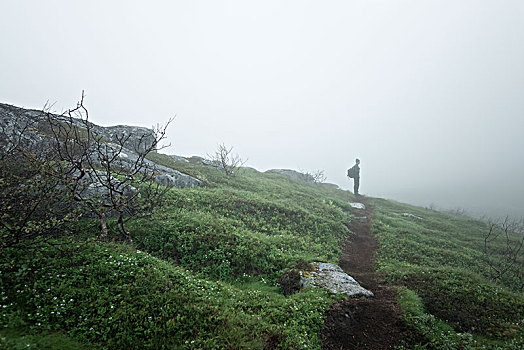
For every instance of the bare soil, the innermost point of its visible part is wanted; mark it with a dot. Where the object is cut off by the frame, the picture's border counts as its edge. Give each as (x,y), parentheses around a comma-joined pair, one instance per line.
(372,323)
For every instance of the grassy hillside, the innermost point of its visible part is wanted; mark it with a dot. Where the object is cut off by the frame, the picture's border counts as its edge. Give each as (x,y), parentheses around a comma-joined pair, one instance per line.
(202,273)
(447,292)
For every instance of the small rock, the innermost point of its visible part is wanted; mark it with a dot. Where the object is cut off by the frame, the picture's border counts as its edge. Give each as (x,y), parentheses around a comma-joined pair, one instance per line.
(357,205)
(177,179)
(178,158)
(408,215)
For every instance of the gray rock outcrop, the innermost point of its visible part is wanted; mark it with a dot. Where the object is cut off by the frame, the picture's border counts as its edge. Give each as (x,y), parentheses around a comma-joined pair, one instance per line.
(166,176)
(209,162)
(179,159)
(91,187)
(135,140)
(140,138)
(177,179)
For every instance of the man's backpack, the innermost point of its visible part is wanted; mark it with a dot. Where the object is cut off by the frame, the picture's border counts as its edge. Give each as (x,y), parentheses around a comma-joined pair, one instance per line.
(351,172)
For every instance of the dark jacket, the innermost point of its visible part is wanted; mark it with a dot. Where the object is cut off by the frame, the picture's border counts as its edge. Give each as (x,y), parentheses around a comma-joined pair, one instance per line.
(355,169)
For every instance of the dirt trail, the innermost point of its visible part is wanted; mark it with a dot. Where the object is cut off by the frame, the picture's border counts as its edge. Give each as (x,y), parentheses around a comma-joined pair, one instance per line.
(364,323)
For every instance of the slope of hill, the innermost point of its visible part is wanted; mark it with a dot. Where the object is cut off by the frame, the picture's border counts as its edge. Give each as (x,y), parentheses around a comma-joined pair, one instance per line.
(451,289)
(202,273)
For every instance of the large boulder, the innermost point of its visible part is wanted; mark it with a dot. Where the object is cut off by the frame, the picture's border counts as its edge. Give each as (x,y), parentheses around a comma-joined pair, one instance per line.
(323,275)
(333,278)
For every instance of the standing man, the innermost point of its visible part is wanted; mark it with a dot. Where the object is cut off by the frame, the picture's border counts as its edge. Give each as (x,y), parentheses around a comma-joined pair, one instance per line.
(354,172)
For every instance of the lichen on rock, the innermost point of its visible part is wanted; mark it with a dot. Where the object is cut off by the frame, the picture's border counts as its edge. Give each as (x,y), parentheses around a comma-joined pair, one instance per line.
(322,275)
(333,278)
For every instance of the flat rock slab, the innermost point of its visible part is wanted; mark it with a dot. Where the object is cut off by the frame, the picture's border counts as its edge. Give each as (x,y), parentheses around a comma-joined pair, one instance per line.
(357,205)
(333,278)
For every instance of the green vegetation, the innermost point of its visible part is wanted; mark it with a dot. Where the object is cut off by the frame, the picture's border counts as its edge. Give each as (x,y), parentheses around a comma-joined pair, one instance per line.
(201,273)
(110,295)
(253,224)
(447,294)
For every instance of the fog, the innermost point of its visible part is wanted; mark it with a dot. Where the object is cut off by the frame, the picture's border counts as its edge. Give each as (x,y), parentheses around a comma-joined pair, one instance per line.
(428,94)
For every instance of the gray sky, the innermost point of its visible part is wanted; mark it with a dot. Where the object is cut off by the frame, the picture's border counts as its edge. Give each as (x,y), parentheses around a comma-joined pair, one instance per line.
(428,94)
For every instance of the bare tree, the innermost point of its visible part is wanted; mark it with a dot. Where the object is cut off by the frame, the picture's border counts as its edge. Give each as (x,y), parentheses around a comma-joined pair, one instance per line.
(432,207)
(57,168)
(101,176)
(318,176)
(458,211)
(226,160)
(503,249)
(33,206)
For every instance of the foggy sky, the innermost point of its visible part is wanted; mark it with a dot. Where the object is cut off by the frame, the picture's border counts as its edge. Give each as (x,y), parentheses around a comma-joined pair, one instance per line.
(428,94)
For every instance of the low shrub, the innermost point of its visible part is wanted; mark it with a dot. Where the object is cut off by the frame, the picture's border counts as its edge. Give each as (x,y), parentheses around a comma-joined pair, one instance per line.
(440,259)
(112,296)
(436,333)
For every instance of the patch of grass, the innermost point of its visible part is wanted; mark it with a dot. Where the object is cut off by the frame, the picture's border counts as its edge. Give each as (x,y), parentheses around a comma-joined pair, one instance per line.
(112,296)
(438,334)
(206,277)
(465,301)
(12,339)
(226,233)
(441,262)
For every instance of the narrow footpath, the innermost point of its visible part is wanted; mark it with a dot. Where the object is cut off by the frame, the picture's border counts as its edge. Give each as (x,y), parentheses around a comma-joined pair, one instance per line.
(371,323)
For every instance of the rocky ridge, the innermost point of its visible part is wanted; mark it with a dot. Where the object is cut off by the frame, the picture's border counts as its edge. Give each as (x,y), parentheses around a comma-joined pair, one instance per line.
(13,119)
